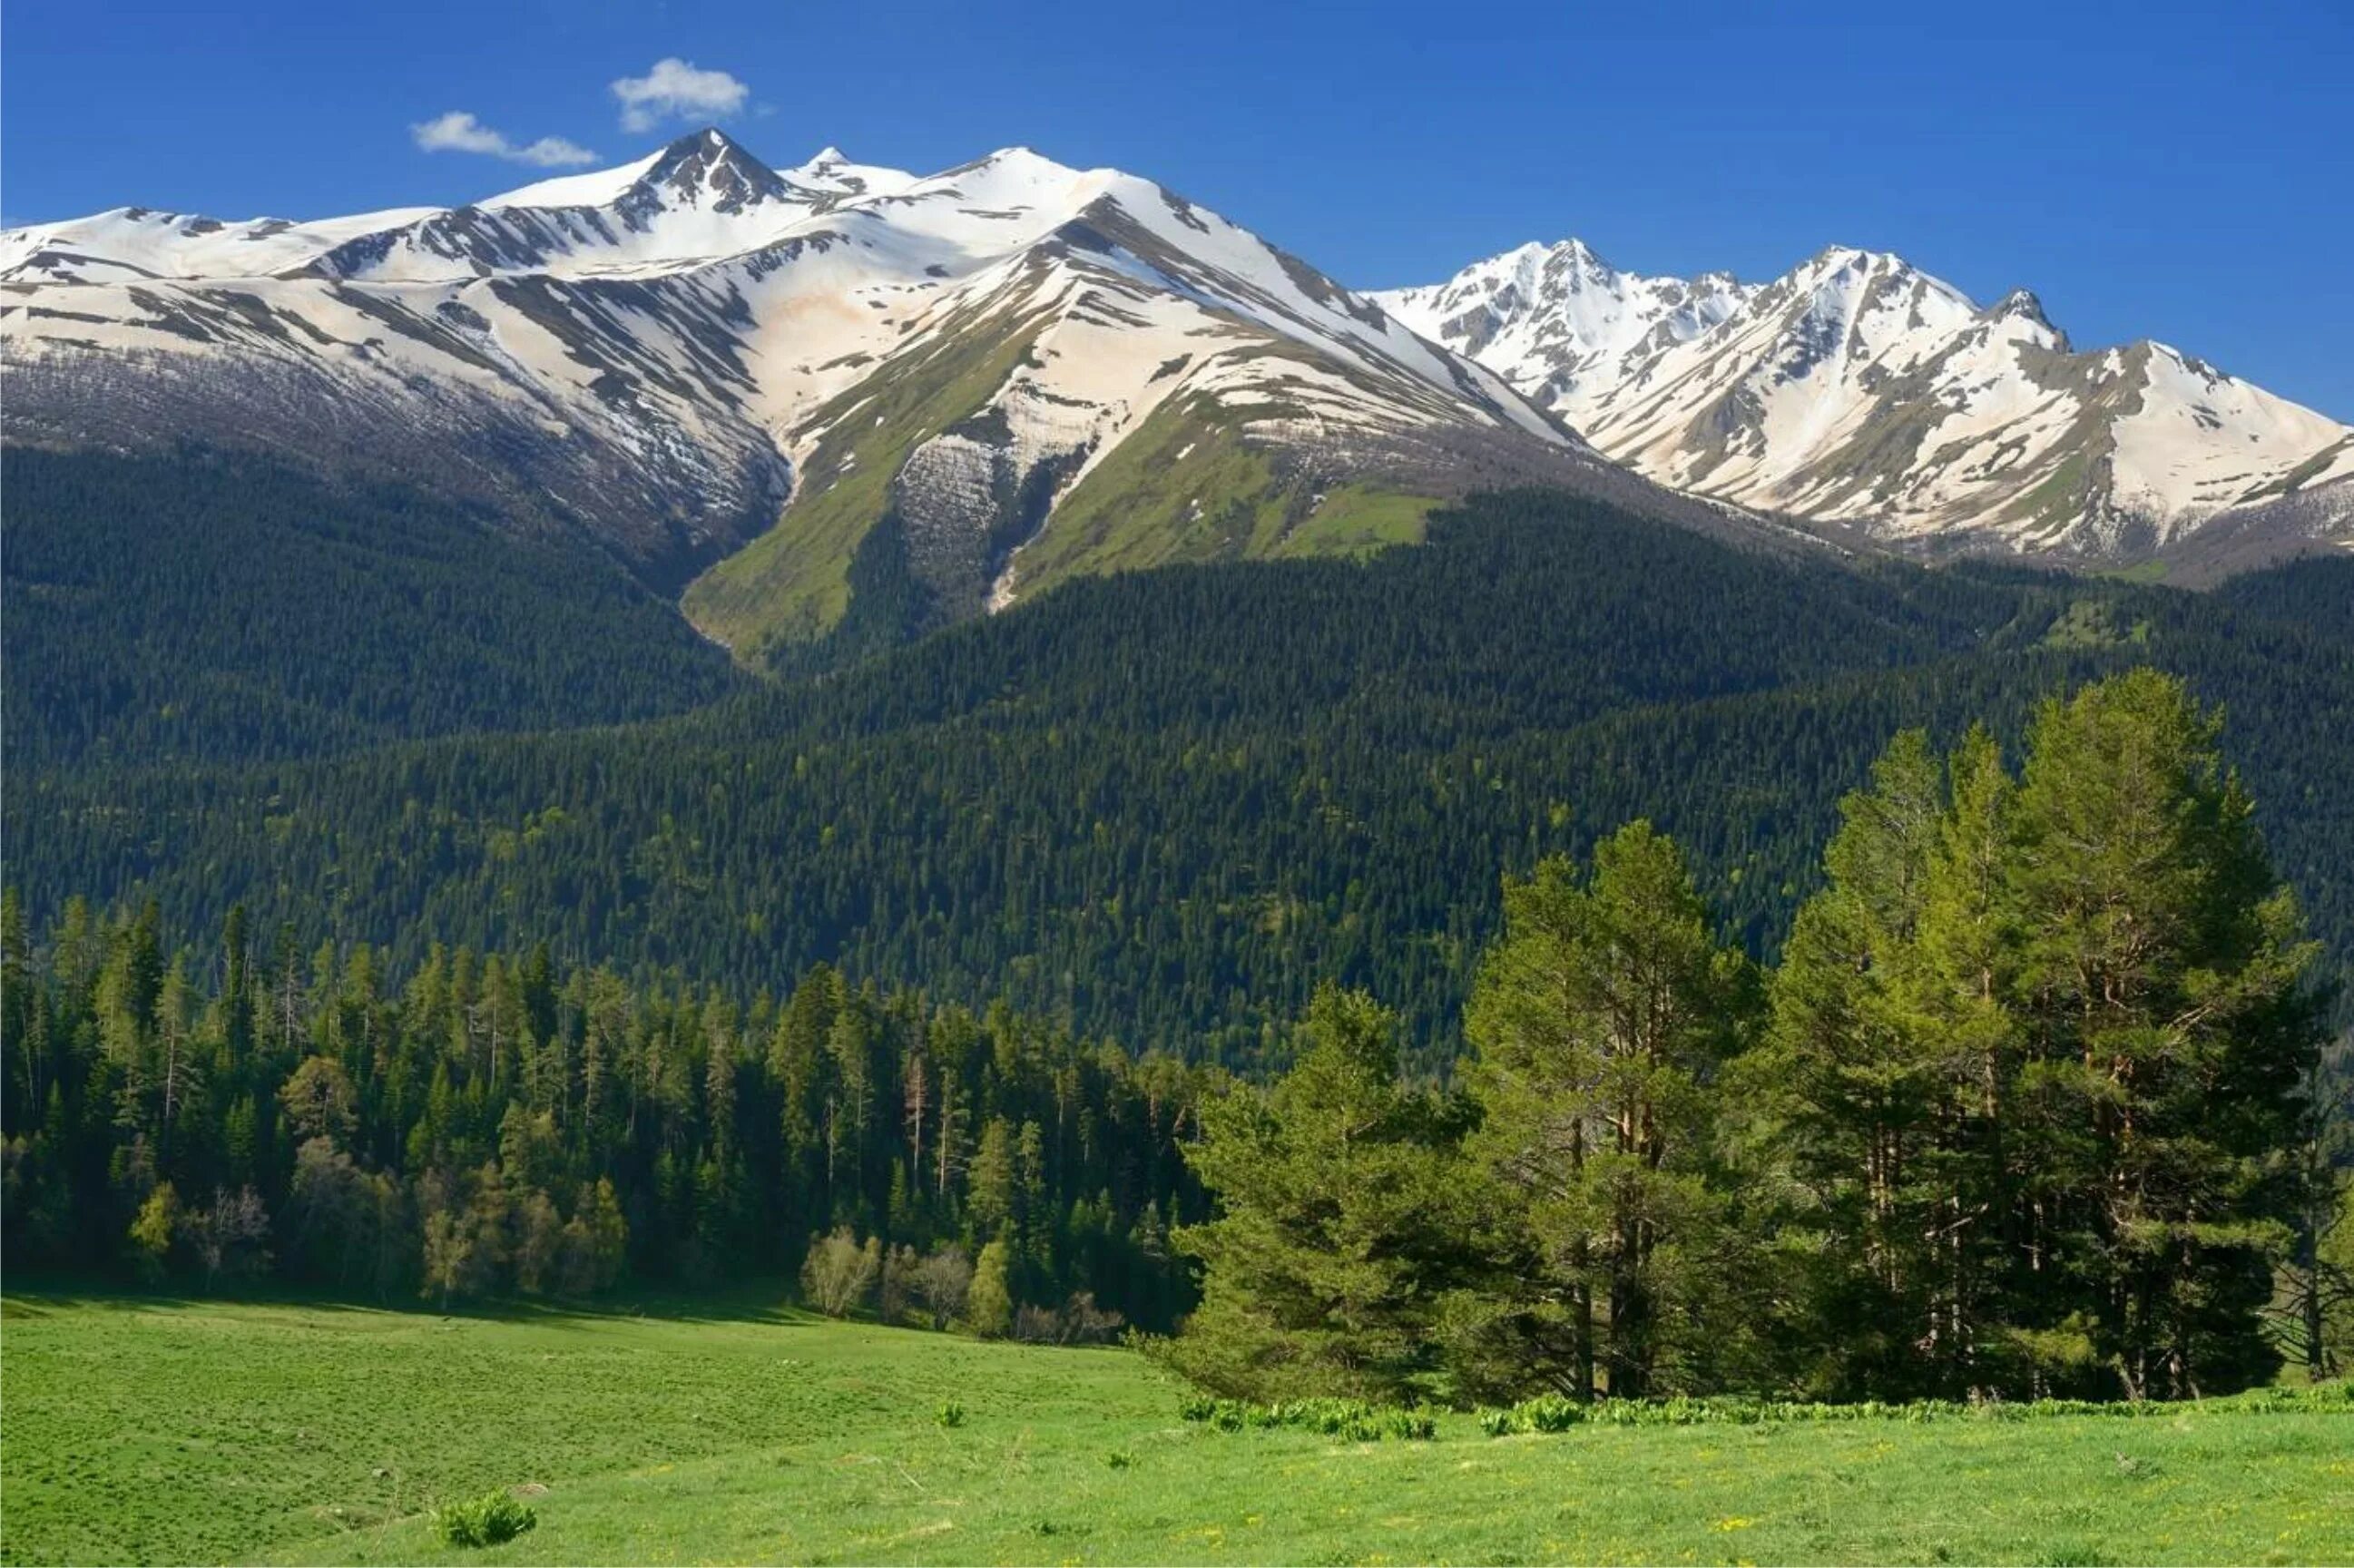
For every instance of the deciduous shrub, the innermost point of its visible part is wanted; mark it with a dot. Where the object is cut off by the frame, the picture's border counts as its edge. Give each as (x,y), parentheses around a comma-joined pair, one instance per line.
(1079,1322)
(942,1281)
(839,1274)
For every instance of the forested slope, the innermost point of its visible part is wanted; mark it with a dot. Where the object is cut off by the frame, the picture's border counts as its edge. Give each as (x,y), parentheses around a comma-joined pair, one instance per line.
(2318,592)
(211,607)
(1161,807)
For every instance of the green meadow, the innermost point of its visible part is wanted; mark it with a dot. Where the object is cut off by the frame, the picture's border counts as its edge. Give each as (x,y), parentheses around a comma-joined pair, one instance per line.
(179,1431)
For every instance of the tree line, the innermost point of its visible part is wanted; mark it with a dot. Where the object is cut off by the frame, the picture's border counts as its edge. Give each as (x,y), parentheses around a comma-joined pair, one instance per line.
(2029,1107)
(2031,1103)
(494,1125)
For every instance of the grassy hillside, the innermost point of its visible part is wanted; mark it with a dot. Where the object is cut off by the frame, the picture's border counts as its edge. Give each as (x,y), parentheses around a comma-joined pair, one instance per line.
(1186,487)
(793,583)
(823,588)
(147,1431)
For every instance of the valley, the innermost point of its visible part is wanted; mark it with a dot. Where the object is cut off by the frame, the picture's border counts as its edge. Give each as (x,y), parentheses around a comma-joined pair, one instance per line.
(714,861)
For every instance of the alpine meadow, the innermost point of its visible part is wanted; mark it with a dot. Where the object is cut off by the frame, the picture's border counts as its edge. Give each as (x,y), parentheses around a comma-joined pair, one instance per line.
(714,861)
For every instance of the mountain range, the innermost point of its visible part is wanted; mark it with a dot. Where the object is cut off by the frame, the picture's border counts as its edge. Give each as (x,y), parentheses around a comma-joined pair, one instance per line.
(833,406)
(920,373)
(1858,388)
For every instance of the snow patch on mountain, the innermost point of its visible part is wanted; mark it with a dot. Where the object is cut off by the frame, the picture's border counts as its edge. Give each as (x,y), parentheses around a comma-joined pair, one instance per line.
(718,331)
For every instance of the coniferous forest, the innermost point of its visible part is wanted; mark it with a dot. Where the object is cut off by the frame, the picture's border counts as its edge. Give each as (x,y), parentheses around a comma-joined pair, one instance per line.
(491,1126)
(1163,807)
(1570,955)
(2029,1109)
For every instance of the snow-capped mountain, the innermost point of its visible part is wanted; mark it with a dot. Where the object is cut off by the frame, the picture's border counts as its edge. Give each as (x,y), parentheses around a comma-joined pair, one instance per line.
(781,382)
(996,375)
(1858,389)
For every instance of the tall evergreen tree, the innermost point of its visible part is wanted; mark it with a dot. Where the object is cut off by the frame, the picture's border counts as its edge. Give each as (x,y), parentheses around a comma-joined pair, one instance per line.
(1863,1076)
(2168,1028)
(1598,1023)
(2037,1053)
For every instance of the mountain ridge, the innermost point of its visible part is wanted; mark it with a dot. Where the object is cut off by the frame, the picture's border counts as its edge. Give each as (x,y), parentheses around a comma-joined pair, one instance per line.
(1858,389)
(764,388)
(764,376)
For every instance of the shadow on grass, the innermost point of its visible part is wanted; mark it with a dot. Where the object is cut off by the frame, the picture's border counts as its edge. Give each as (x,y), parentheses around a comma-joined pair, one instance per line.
(748,1303)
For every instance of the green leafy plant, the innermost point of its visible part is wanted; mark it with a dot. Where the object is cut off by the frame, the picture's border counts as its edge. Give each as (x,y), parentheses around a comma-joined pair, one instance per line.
(1555,1412)
(950,1415)
(1353,1419)
(1409,1426)
(486,1521)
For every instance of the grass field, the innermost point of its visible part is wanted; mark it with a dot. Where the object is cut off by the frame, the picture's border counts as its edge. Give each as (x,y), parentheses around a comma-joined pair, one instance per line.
(181,1431)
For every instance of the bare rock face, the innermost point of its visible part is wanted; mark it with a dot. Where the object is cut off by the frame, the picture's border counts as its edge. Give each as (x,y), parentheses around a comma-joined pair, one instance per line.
(969,498)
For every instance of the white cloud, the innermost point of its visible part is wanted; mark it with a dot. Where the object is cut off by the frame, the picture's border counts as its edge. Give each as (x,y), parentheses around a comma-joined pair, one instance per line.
(674,89)
(459,132)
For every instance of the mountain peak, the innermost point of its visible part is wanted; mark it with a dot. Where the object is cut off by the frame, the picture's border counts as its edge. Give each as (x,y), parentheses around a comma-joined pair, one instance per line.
(711,140)
(1581,256)
(2020,303)
(830,173)
(1018,163)
(1839,258)
(710,161)
(1528,267)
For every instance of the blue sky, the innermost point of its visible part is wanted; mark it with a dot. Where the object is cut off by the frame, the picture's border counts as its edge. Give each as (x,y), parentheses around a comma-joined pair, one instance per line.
(2180,172)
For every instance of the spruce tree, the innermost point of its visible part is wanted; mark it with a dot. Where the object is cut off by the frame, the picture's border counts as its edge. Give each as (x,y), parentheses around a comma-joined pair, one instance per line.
(1342,1221)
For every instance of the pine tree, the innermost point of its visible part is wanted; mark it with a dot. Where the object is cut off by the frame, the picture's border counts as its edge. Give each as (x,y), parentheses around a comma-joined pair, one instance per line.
(2036,1050)
(994,1186)
(1856,1071)
(2170,1030)
(1598,1023)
